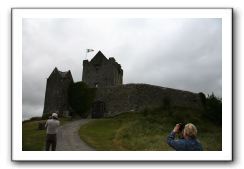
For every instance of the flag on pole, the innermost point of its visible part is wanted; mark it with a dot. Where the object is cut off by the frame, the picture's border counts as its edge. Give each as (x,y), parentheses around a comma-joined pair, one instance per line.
(89,50)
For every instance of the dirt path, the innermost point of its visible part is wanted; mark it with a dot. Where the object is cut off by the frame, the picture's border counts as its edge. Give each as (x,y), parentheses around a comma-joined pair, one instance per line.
(68,137)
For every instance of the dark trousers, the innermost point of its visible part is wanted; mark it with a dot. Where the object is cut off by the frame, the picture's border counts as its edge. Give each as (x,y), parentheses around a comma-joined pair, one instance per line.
(51,141)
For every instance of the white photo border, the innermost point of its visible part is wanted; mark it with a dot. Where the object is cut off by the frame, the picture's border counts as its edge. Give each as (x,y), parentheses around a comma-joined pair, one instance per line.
(17,14)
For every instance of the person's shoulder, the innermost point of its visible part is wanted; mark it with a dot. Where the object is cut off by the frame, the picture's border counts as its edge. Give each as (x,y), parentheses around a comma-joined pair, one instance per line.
(195,145)
(182,141)
(197,141)
(49,120)
(199,144)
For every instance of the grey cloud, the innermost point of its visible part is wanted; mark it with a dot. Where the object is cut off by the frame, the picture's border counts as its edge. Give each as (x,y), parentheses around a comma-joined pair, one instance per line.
(177,53)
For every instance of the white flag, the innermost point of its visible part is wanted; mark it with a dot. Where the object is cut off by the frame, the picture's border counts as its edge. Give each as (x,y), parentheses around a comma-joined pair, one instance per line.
(89,50)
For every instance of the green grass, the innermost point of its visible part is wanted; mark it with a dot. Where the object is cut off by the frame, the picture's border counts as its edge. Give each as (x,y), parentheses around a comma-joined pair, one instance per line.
(32,138)
(147,130)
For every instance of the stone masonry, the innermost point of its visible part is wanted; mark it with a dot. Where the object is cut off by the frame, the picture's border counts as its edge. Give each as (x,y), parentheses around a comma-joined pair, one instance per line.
(56,96)
(136,97)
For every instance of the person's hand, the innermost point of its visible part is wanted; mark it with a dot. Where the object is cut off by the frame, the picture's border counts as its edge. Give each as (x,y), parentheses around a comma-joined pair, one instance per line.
(176,129)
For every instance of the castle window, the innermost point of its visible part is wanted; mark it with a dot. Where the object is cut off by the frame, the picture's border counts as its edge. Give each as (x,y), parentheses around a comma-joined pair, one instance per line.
(96,68)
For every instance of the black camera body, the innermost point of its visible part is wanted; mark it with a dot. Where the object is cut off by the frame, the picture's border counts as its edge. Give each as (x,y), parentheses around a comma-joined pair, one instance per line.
(182,126)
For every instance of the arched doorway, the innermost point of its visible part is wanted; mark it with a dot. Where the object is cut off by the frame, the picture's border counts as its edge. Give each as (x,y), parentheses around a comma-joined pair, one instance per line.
(98,109)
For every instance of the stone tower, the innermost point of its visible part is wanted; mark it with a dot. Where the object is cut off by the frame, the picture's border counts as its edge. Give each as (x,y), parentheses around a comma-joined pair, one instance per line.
(56,96)
(102,72)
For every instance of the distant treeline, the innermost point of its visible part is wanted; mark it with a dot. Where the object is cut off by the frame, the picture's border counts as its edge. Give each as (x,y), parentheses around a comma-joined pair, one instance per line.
(212,107)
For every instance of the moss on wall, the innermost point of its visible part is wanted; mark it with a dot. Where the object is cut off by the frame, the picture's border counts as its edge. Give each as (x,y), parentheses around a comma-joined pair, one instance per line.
(81,98)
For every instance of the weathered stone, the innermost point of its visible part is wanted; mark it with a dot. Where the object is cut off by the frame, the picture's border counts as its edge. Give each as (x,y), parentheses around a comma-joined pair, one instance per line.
(106,75)
(137,97)
(102,72)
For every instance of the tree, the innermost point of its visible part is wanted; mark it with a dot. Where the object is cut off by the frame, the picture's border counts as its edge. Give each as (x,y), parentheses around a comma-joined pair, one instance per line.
(202,98)
(213,108)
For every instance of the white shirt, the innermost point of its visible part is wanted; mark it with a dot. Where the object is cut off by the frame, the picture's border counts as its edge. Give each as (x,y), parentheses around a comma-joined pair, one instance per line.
(52,126)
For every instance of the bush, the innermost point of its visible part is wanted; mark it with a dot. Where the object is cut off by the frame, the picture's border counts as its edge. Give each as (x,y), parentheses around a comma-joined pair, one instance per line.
(145,112)
(166,103)
(46,116)
(202,98)
(32,119)
(81,98)
(213,109)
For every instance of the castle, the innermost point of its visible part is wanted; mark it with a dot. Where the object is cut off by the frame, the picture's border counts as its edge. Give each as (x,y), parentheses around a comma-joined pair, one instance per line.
(112,96)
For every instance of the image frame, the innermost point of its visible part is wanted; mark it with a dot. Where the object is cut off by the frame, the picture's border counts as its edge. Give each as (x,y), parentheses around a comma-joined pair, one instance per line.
(15,157)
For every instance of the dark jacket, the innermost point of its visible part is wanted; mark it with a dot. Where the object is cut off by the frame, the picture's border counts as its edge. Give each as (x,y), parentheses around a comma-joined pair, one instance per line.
(183,144)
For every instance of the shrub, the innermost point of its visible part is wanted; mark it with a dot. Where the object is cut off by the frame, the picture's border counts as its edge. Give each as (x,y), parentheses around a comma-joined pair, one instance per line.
(145,112)
(202,98)
(32,119)
(46,116)
(36,118)
(213,109)
(166,103)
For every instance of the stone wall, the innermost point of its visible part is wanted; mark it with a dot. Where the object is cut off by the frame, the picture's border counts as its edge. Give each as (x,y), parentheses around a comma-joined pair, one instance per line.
(134,97)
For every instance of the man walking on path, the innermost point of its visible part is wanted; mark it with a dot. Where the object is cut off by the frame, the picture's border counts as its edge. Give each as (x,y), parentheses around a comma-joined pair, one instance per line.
(52,129)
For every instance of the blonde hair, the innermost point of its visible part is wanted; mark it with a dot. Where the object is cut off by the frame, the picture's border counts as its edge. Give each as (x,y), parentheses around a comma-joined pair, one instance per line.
(190,130)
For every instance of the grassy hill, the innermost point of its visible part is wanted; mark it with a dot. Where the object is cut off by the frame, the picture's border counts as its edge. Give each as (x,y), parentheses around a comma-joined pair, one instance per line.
(148,130)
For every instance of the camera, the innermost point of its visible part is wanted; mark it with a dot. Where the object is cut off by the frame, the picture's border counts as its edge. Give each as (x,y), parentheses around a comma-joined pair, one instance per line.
(182,126)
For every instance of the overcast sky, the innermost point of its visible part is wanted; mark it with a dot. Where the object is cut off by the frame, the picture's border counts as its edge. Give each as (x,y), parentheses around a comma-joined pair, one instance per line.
(184,54)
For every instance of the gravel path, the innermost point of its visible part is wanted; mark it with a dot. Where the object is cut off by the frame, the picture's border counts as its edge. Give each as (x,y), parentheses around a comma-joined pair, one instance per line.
(68,137)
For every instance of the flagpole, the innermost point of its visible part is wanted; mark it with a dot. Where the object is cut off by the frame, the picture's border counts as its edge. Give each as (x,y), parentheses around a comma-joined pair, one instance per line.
(87,51)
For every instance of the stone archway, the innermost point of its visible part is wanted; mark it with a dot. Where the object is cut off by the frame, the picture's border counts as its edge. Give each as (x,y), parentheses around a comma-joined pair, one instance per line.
(98,109)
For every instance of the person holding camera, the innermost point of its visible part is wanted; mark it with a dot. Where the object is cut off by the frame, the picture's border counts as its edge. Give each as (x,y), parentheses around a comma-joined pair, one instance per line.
(52,125)
(189,141)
